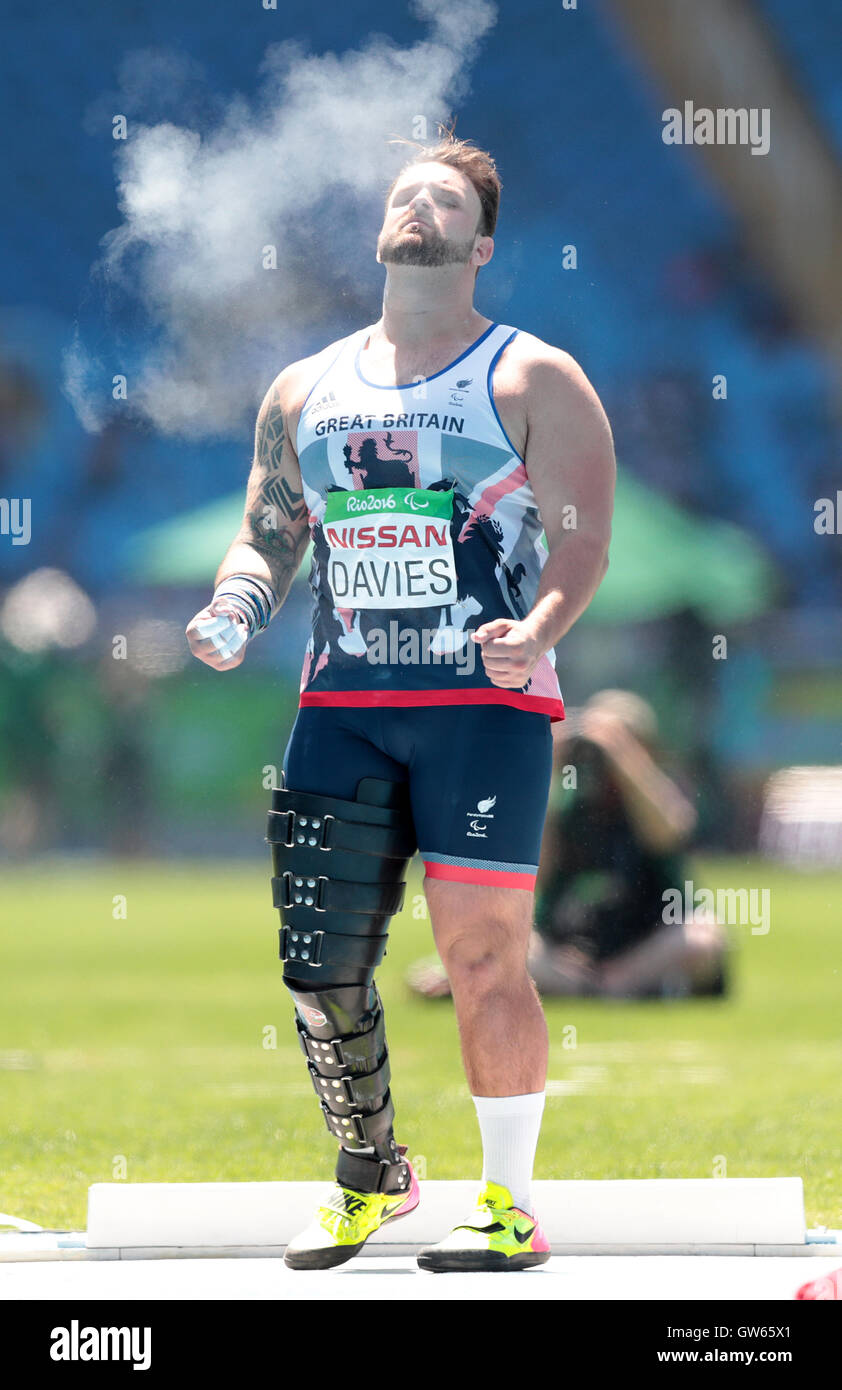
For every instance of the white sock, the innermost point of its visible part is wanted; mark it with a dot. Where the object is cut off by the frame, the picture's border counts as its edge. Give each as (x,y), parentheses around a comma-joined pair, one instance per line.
(510,1126)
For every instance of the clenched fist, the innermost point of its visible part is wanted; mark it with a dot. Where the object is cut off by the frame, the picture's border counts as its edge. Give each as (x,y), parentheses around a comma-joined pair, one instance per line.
(218,635)
(510,652)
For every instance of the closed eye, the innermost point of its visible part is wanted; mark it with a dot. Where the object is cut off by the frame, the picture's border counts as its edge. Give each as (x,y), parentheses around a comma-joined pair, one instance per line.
(449,199)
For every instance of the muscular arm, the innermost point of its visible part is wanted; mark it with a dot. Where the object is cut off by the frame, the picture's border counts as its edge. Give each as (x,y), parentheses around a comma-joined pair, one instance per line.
(570,463)
(274,533)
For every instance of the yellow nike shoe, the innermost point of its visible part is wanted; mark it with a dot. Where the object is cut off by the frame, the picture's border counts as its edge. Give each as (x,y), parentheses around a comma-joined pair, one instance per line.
(497,1235)
(341,1227)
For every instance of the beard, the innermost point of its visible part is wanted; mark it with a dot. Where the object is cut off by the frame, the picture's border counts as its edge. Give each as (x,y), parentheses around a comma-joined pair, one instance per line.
(424,248)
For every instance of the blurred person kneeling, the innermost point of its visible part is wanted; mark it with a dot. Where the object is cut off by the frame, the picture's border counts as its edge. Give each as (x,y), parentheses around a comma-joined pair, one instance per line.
(614,847)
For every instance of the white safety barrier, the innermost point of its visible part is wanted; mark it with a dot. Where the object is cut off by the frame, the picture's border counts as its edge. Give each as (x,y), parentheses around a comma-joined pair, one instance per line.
(649,1216)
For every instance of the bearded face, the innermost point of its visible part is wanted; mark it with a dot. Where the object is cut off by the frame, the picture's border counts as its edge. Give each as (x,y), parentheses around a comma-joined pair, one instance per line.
(423,246)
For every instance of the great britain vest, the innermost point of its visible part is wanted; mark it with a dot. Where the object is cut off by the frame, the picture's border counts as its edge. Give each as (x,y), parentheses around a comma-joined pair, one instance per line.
(424,526)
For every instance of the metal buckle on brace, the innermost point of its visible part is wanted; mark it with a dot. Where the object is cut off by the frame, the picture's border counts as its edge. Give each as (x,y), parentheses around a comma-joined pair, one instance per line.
(337,1088)
(306,825)
(310,894)
(322,1052)
(303,946)
(286,896)
(344,1123)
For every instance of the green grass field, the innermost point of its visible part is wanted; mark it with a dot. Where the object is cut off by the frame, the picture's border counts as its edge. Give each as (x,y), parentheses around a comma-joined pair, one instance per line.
(144,1047)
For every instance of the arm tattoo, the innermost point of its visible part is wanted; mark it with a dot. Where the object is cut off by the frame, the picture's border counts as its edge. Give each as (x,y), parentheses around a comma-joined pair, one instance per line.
(274,510)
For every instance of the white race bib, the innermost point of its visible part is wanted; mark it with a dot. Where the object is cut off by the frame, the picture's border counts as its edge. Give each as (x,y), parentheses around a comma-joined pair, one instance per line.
(390,547)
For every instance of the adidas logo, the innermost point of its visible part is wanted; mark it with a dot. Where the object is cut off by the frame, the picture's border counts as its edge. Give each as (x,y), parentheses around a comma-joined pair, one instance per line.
(323,403)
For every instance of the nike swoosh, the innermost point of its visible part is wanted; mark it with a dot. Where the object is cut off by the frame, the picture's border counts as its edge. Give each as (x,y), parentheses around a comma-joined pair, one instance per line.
(523,1236)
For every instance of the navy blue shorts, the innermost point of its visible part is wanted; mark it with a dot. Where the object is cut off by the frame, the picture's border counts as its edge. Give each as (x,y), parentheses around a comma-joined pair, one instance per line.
(478,775)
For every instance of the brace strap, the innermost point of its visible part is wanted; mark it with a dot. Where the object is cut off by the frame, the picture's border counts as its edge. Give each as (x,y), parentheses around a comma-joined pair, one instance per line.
(361,1130)
(328,832)
(361,812)
(366,1173)
(358,1052)
(343,1094)
(316,948)
(325,894)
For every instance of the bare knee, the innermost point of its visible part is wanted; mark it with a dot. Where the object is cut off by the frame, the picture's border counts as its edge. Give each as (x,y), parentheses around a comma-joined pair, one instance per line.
(482,935)
(482,963)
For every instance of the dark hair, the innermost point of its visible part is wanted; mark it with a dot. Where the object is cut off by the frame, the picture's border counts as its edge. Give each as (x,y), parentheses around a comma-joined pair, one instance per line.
(476,164)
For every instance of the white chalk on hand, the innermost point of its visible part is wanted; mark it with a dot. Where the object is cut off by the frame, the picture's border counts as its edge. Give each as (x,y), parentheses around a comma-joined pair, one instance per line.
(235,641)
(208,626)
(227,635)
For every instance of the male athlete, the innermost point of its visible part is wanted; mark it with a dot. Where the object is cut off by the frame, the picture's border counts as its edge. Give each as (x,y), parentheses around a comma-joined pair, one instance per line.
(424,455)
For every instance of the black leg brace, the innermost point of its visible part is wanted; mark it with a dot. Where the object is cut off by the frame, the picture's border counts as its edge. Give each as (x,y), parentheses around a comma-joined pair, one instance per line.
(348,1063)
(338,879)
